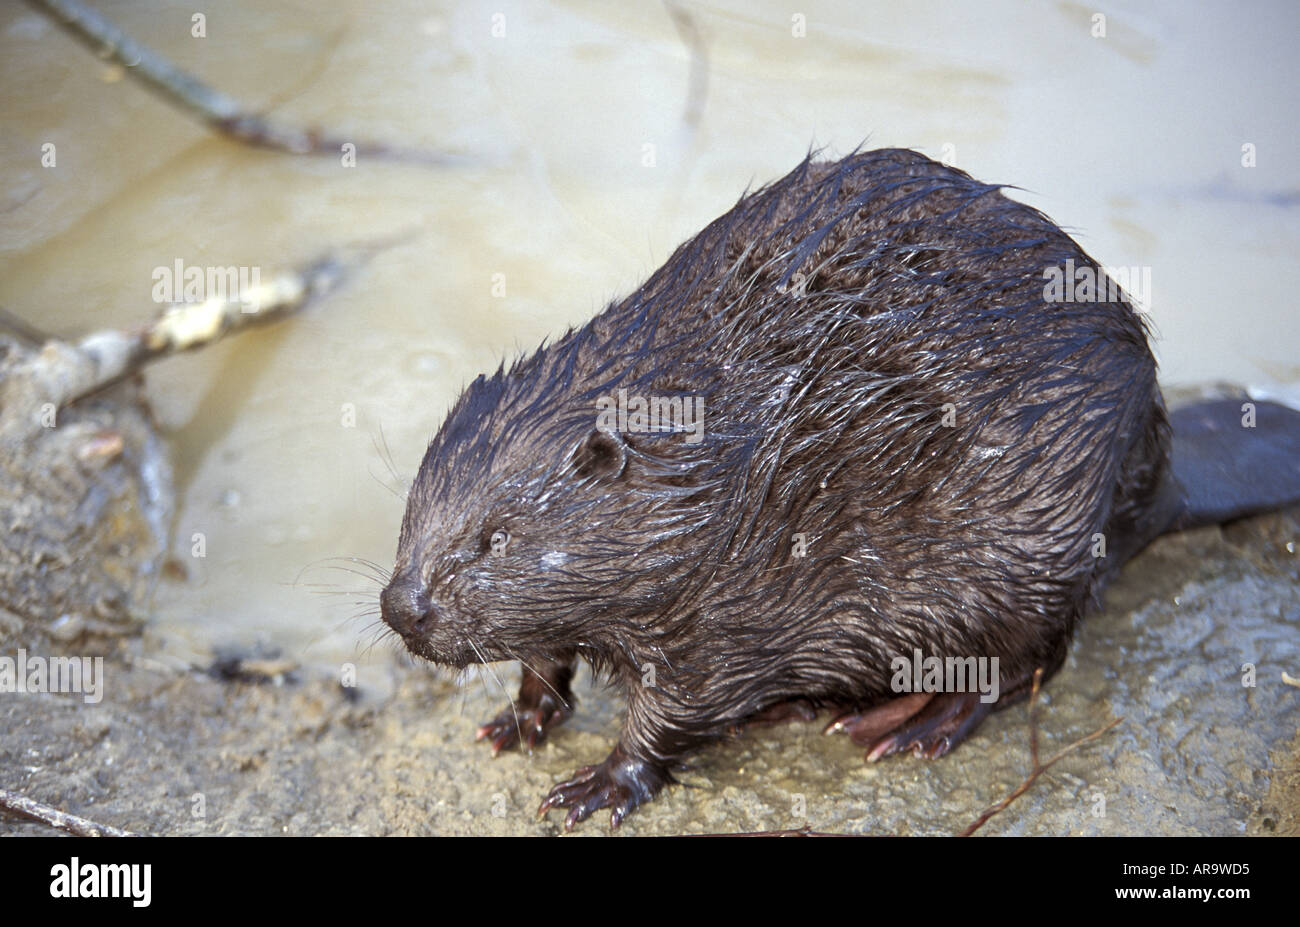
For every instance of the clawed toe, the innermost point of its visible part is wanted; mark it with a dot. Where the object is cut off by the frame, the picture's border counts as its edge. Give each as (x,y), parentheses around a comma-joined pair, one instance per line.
(510,728)
(621,783)
(927,724)
(545,700)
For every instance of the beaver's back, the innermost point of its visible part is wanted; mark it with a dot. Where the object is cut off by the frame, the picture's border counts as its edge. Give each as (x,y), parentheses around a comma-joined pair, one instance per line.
(951,443)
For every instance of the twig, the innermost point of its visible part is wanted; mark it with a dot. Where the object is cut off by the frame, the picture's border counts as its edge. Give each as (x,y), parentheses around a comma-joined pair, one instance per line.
(115,355)
(60,820)
(1038,768)
(698,82)
(805,831)
(22,329)
(60,373)
(220,112)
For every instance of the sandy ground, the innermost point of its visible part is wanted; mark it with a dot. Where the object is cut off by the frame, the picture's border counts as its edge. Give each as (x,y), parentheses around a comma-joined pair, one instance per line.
(175,750)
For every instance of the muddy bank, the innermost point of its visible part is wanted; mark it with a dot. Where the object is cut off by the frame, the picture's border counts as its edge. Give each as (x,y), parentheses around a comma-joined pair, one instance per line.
(173,750)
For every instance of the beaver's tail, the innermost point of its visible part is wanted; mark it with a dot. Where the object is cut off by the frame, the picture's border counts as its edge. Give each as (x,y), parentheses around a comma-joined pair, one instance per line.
(1230,458)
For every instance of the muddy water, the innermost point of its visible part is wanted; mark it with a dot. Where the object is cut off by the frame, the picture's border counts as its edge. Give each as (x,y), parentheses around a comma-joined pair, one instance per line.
(581,175)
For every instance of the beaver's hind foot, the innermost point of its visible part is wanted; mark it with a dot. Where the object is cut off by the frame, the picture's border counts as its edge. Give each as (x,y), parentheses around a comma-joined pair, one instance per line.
(927,723)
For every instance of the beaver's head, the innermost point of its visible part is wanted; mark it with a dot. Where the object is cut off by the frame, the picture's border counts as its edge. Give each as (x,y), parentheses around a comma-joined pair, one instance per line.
(532,527)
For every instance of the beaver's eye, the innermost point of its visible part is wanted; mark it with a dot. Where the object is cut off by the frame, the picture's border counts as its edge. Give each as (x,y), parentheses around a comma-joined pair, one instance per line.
(498,541)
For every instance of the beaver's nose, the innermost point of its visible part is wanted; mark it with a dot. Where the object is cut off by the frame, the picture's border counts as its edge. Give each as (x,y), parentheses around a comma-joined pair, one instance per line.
(405,606)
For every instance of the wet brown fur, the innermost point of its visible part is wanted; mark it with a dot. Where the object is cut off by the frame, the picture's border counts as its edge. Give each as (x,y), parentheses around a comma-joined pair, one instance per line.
(921,292)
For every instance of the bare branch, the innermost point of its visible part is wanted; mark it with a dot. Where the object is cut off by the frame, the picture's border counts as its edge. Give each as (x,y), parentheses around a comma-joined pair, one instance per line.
(60,820)
(1038,768)
(220,112)
(698,82)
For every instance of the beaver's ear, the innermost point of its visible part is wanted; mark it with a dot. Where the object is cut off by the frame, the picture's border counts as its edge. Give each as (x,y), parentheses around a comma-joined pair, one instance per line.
(602,455)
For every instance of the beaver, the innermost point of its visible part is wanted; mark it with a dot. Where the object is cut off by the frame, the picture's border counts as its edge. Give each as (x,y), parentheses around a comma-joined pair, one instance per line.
(880,428)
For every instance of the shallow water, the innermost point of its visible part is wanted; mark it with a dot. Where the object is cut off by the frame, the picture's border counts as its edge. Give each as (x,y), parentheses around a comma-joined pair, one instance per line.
(1132,141)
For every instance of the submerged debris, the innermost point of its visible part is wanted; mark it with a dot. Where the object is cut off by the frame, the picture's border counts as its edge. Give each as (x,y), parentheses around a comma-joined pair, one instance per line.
(86,495)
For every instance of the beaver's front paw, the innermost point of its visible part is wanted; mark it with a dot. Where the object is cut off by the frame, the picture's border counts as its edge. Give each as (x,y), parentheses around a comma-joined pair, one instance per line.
(621,783)
(527,721)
